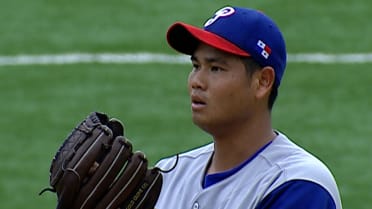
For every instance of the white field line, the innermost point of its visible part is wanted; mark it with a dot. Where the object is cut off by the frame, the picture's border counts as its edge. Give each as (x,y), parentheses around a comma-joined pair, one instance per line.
(140,58)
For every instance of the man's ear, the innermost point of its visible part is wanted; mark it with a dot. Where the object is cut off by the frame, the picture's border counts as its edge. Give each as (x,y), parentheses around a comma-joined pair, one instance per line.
(265,81)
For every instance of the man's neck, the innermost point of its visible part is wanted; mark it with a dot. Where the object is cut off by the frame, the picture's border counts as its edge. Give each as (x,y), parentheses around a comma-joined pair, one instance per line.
(237,145)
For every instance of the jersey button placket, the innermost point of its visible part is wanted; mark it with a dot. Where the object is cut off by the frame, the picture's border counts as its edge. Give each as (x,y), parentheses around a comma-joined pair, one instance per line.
(196,205)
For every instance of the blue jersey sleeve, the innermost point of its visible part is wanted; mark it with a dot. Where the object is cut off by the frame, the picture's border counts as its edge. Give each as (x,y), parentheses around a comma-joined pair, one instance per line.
(298,194)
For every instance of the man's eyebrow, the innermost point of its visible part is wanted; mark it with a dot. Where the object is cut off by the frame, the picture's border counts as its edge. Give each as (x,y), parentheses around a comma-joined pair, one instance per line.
(210,59)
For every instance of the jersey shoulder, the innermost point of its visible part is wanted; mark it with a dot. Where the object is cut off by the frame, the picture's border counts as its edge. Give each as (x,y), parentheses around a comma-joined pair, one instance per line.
(294,161)
(291,162)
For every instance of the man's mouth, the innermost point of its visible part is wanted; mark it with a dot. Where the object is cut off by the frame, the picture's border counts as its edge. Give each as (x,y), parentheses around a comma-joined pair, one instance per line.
(197,102)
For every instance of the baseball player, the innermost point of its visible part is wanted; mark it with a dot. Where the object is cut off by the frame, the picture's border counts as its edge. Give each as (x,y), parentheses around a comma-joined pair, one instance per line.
(238,60)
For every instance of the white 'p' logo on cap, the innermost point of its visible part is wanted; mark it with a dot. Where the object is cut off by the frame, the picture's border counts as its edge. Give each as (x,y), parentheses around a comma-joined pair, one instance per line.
(226,11)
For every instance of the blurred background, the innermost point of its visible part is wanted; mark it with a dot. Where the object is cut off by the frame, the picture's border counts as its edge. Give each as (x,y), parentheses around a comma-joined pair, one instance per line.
(324,107)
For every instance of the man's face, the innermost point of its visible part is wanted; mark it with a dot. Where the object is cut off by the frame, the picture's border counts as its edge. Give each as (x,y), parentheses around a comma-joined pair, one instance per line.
(221,91)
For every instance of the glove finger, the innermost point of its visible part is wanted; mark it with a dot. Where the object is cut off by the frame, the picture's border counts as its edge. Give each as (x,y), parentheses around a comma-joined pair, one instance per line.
(105,174)
(147,192)
(125,183)
(77,169)
(116,126)
(66,194)
(91,149)
(98,117)
(73,142)
(64,154)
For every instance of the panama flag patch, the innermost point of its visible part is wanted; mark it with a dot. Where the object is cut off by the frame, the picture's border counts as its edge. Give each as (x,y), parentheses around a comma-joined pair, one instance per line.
(266,51)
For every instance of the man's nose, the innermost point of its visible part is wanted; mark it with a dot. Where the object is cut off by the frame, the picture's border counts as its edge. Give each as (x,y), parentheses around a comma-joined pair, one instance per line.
(197,80)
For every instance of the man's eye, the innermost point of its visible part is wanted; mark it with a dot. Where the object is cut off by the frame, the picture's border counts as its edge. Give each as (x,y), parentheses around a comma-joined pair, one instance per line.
(214,68)
(195,66)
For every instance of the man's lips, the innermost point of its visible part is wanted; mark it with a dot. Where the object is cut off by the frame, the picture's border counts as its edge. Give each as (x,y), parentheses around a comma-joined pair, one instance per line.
(197,102)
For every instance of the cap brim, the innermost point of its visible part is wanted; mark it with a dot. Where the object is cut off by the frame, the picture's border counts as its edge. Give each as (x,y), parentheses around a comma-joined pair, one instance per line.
(185,38)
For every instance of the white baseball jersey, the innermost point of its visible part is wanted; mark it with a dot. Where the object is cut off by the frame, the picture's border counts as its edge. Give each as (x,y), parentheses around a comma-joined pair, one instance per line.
(280,175)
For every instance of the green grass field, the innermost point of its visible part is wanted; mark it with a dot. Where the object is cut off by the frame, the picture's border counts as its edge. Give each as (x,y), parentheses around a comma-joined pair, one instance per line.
(326,108)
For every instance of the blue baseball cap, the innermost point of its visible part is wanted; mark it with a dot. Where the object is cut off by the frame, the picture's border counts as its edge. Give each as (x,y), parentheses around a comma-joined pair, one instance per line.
(240,31)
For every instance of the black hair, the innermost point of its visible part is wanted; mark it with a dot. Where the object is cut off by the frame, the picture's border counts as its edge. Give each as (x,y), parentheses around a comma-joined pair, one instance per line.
(252,66)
